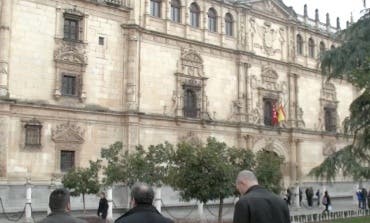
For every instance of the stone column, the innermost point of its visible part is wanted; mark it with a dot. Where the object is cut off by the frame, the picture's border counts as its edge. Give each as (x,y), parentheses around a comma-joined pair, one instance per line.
(299,160)
(28,201)
(110,203)
(158,199)
(4,137)
(201,212)
(5,28)
(132,72)
(293,162)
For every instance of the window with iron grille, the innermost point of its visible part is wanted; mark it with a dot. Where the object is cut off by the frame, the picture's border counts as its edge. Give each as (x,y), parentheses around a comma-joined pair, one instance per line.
(175,11)
(322,48)
(69,85)
(155,8)
(67,160)
(33,134)
(330,119)
(190,104)
(71,28)
(229,24)
(268,105)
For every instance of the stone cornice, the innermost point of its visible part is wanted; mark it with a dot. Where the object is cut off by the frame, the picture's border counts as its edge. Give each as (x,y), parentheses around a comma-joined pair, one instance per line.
(181,120)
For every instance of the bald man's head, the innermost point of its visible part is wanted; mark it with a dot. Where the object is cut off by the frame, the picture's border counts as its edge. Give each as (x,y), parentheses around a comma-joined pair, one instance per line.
(142,194)
(245,180)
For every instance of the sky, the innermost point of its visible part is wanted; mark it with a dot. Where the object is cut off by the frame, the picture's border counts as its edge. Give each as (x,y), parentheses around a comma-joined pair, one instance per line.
(335,8)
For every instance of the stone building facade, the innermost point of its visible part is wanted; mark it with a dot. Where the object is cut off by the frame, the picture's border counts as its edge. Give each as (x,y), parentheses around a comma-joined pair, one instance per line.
(78,75)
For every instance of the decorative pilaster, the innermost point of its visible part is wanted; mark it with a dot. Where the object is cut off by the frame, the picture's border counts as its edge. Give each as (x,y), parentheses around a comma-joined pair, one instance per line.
(5,28)
(132,37)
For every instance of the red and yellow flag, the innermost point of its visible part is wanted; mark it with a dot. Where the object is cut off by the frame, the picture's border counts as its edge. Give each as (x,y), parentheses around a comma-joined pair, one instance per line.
(280,114)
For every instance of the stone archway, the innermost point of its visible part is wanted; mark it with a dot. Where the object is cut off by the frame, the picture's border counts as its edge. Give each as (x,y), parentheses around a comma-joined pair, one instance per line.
(277,147)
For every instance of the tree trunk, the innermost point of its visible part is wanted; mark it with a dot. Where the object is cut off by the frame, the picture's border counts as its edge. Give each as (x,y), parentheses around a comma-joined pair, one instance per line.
(83,202)
(220,210)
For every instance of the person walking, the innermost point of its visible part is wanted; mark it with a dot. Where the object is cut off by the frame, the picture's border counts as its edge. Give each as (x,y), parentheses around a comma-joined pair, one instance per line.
(103,207)
(326,201)
(289,196)
(364,198)
(318,195)
(60,206)
(368,199)
(143,211)
(359,198)
(257,204)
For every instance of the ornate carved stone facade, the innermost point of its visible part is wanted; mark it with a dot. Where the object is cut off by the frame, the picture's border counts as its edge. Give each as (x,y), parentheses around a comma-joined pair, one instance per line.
(132,71)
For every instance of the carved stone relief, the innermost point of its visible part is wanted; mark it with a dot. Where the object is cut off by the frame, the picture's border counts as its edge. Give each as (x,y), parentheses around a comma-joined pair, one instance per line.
(328,98)
(329,148)
(191,138)
(67,136)
(267,86)
(68,133)
(70,57)
(190,75)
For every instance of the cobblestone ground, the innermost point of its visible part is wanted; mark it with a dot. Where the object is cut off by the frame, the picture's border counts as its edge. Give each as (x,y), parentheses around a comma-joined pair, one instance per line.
(179,213)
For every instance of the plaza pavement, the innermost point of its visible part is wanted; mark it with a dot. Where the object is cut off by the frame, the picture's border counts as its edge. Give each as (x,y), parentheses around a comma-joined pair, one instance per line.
(209,212)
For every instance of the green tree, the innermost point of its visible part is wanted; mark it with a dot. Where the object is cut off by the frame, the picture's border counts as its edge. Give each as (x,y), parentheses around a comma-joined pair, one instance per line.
(207,172)
(149,166)
(82,181)
(351,61)
(268,170)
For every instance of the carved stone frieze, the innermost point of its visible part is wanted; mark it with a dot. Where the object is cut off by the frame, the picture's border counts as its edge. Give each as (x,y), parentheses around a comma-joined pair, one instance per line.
(68,133)
(70,52)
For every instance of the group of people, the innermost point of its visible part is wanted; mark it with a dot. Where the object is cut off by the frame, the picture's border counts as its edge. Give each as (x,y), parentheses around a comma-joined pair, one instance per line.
(256,205)
(363,198)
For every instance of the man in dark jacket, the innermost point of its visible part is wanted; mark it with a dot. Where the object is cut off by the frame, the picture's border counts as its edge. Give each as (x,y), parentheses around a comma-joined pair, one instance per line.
(60,207)
(143,211)
(103,206)
(257,204)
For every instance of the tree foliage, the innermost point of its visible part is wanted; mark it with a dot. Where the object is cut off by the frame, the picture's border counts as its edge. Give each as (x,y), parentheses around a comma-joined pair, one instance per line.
(140,165)
(207,172)
(351,61)
(82,181)
(268,170)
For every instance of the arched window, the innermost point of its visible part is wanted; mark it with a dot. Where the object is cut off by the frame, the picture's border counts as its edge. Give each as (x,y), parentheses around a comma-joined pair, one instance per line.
(190,104)
(322,47)
(311,48)
(155,8)
(332,47)
(212,20)
(194,15)
(299,45)
(176,10)
(229,24)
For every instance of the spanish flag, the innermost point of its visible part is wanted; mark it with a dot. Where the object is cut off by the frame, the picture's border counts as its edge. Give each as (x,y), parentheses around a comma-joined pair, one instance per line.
(281,114)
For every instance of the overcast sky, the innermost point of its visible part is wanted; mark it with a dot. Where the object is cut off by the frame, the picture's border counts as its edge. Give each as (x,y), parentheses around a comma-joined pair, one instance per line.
(336,8)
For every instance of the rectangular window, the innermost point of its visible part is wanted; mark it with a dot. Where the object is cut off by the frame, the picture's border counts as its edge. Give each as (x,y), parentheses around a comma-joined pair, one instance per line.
(101,40)
(69,85)
(155,8)
(71,29)
(67,160)
(330,119)
(175,14)
(268,105)
(33,135)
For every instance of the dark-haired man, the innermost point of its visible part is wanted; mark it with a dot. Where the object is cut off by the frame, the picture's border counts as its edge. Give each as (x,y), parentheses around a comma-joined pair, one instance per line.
(143,211)
(60,207)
